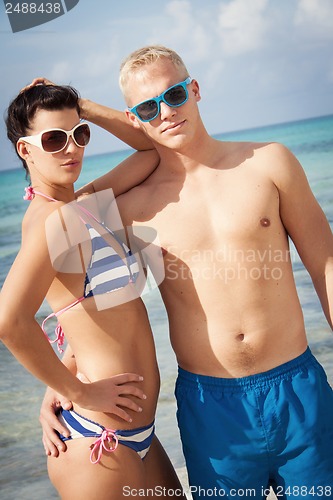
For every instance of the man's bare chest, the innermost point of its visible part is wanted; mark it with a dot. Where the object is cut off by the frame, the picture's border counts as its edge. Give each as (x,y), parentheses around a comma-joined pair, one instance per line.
(215,217)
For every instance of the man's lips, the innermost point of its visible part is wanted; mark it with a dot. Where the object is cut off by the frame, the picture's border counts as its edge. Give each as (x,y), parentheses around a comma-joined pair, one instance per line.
(173,126)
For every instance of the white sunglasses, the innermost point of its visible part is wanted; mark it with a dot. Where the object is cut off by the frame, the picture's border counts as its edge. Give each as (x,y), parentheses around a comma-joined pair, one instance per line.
(54,140)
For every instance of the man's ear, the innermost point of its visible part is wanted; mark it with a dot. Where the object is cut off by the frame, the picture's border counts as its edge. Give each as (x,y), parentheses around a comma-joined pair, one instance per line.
(196,90)
(132,119)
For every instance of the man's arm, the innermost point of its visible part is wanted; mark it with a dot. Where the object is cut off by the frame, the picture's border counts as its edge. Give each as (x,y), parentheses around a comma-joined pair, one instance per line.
(128,174)
(306,224)
(51,404)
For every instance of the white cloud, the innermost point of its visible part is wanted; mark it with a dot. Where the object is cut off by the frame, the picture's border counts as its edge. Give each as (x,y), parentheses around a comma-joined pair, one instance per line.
(242,25)
(185,25)
(213,75)
(100,62)
(316,17)
(61,72)
(94,71)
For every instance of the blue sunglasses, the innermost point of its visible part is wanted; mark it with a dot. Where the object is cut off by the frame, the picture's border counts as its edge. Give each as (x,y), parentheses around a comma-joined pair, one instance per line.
(174,96)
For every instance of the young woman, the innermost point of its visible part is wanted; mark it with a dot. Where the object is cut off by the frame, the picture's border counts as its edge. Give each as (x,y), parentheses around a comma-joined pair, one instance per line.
(92,282)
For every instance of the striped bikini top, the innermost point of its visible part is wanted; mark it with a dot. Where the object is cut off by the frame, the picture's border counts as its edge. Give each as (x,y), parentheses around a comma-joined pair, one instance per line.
(107,270)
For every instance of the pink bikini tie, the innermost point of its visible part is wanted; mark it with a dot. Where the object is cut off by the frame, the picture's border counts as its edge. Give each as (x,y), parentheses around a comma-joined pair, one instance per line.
(107,436)
(60,335)
(30,194)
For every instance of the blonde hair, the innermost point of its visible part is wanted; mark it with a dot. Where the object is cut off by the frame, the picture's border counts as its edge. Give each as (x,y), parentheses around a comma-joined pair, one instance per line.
(144,56)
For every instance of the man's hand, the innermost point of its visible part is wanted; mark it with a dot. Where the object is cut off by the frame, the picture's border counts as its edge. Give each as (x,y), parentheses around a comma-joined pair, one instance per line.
(51,405)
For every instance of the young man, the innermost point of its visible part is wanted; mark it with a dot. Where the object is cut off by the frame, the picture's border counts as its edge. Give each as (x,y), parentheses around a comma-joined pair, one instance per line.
(254,406)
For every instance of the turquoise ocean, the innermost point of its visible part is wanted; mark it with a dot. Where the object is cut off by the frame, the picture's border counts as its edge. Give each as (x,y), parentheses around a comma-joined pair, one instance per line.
(23,472)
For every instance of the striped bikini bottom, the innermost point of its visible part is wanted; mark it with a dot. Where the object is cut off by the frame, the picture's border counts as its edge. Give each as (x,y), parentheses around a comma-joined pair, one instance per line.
(138,439)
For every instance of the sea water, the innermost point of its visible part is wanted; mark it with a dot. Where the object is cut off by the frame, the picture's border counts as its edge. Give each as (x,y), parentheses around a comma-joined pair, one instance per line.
(22,461)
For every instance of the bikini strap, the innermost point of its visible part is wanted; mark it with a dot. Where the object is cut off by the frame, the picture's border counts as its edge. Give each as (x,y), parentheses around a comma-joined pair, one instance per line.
(60,335)
(30,194)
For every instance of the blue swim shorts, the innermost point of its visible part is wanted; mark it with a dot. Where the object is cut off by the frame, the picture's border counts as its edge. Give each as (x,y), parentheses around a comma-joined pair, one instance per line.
(241,436)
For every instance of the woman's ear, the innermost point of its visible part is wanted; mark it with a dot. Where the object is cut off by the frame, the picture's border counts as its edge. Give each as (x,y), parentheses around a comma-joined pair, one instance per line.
(23,149)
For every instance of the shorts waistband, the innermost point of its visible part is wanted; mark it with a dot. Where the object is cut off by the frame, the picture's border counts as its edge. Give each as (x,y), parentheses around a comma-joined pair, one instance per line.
(270,377)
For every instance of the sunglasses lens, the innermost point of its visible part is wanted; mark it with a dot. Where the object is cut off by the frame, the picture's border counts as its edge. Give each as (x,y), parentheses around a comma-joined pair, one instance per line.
(82,135)
(176,96)
(147,110)
(54,140)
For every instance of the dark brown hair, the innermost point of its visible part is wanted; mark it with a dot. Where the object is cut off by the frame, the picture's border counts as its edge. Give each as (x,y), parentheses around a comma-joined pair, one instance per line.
(23,108)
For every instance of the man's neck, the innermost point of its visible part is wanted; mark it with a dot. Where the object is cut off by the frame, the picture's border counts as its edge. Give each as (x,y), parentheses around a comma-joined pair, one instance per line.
(198,153)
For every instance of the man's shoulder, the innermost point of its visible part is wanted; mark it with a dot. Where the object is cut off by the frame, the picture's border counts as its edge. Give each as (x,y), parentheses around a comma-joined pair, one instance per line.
(263,152)
(270,160)
(275,161)
(254,155)
(274,153)
(248,148)
(260,147)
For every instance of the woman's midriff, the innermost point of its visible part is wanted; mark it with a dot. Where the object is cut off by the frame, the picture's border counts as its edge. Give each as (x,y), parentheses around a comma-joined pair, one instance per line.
(112,342)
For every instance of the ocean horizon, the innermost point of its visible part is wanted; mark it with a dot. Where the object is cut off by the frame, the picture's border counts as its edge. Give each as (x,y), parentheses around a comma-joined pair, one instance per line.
(23,471)
(222,136)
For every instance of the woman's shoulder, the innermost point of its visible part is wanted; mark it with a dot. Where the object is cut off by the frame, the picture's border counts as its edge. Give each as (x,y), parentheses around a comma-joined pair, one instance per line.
(37,213)
(42,226)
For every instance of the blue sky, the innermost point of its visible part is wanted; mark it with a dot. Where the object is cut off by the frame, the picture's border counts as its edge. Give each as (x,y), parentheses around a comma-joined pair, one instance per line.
(258,62)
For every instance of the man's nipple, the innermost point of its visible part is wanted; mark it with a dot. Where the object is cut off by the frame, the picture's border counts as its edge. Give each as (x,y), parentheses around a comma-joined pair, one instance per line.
(265,222)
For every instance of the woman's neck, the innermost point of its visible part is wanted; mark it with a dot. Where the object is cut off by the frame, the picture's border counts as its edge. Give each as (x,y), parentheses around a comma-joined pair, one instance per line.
(56,192)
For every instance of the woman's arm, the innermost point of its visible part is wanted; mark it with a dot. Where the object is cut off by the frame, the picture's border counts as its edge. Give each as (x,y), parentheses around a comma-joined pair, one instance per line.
(128,174)
(116,123)
(22,294)
(112,120)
